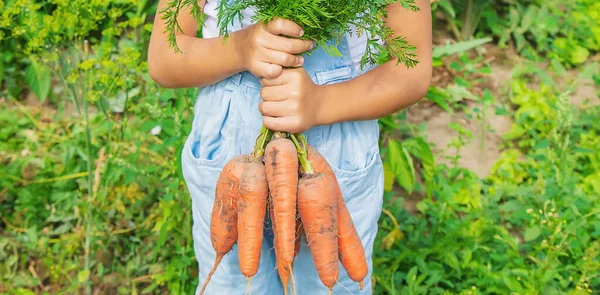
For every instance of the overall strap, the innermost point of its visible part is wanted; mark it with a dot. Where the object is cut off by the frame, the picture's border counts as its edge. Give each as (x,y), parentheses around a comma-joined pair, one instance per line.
(321,65)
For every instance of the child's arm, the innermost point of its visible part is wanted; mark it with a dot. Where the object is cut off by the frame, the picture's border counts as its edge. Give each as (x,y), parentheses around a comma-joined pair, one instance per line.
(293,103)
(256,48)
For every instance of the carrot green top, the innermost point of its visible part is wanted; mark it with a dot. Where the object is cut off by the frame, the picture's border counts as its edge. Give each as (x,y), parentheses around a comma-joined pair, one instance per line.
(322,21)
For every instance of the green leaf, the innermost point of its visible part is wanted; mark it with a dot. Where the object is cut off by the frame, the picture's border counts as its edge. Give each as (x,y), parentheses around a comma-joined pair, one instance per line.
(532,233)
(558,67)
(579,55)
(391,238)
(511,282)
(419,148)
(511,206)
(528,18)
(589,71)
(11,260)
(422,207)
(149,288)
(447,7)
(23,291)
(100,270)
(83,275)
(37,77)
(583,150)
(162,236)
(575,225)
(437,62)
(451,260)
(388,121)
(439,97)
(520,40)
(542,144)
(388,178)
(402,165)
(459,47)
(412,274)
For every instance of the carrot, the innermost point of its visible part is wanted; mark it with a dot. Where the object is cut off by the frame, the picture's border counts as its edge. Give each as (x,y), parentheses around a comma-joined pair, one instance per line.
(317,205)
(252,204)
(350,248)
(283,269)
(223,221)
(281,160)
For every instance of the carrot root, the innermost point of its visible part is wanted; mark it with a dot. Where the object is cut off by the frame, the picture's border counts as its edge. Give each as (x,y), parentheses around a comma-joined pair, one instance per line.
(249,286)
(293,281)
(361,284)
(212,271)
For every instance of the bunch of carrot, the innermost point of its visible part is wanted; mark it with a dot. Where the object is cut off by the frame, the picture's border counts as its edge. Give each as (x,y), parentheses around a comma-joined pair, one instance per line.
(291,180)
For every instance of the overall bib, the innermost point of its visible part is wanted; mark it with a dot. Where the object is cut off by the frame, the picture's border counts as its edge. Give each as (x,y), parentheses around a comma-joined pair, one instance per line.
(226,124)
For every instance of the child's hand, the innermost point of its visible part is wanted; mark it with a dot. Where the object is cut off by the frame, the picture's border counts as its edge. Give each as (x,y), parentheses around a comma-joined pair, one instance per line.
(264,52)
(291,101)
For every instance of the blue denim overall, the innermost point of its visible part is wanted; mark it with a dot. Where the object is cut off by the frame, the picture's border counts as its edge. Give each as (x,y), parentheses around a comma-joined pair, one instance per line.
(226,123)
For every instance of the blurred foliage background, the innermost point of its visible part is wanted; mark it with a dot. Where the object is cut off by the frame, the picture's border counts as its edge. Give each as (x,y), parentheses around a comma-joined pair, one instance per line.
(492,181)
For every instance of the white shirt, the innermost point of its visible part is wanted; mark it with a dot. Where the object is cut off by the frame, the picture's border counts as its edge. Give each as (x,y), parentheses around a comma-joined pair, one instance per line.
(356,45)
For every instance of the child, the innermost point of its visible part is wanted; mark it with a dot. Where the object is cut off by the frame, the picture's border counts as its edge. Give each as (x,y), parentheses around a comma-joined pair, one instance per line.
(259,76)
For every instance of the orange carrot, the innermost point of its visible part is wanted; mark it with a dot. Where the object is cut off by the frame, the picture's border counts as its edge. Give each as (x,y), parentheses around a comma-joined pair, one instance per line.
(252,204)
(223,222)
(351,250)
(317,205)
(283,269)
(281,160)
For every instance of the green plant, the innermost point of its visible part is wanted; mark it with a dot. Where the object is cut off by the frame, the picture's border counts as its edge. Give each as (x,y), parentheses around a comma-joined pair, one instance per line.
(86,200)
(462,139)
(399,155)
(139,233)
(568,31)
(29,29)
(516,231)
(480,113)
(442,96)
(463,17)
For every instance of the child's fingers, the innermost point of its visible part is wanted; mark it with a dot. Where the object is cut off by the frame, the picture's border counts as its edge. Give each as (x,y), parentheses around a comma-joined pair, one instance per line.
(283,59)
(280,26)
(273,93)
(267,70)
(277,81)
(292,46)
(286,76)
(283,124)
(275,108)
